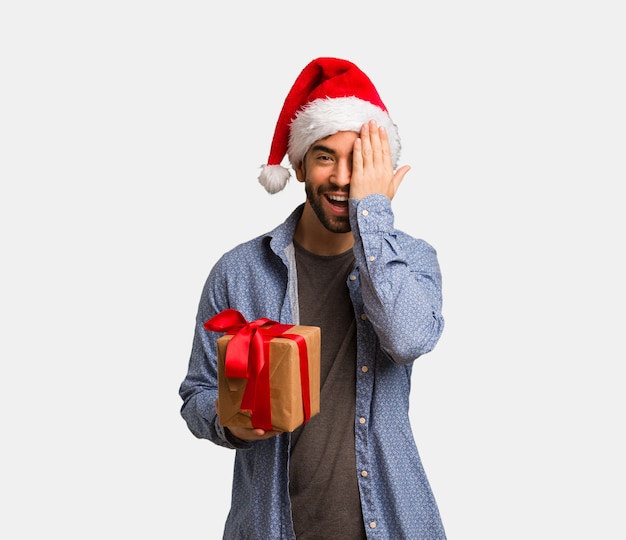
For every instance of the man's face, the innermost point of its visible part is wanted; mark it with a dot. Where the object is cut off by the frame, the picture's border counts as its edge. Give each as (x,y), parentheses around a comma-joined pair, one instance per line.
(326,172)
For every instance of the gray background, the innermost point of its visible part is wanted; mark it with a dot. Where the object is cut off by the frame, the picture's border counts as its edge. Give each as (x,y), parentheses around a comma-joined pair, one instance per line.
(131,135)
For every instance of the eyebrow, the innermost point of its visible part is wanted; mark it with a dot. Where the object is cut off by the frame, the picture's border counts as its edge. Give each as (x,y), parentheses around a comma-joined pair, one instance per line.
(322,148)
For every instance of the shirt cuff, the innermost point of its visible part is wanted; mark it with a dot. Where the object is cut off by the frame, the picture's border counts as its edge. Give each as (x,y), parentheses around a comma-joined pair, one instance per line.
(371,214)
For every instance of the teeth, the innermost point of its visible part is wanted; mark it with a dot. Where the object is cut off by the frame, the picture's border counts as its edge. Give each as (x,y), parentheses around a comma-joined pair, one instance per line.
(338,198)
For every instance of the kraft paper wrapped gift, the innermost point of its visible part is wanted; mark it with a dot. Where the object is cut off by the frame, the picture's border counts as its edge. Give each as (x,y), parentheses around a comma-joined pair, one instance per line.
(294,395)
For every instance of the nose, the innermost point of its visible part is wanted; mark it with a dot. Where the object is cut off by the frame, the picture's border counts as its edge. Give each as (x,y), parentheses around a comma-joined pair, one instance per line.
(342,173)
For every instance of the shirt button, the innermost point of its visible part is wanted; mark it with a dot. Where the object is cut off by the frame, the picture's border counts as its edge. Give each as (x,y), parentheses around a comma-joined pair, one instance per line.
(372,524)
(364,369)
(363,474)
(363,316)
(352,277)
(365,212)
(371,258)
(361,420)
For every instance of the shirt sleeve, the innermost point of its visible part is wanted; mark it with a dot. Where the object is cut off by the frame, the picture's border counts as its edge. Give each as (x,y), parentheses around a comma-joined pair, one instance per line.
(400,281)
(199,388)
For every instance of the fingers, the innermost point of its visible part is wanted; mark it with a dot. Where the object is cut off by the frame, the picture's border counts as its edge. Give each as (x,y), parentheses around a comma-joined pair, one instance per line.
(372,167)
(376,151)
(399,176)
(252,434)
(357,162)
(366,144)
(385,149)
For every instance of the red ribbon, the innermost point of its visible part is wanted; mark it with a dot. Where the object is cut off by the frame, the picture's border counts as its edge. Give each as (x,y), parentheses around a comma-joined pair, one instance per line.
(247,357)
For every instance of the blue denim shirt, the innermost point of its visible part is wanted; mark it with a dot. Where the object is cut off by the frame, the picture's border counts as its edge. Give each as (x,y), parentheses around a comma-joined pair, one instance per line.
(395,289)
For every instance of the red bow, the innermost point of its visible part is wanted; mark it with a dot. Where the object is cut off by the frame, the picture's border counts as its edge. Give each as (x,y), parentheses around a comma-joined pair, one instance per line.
(247,357)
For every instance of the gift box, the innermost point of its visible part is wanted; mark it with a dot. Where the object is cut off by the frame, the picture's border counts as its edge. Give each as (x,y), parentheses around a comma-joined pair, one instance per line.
(268,373)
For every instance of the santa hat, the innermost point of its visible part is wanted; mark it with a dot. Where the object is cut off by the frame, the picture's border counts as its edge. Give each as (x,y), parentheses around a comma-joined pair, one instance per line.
(329,95)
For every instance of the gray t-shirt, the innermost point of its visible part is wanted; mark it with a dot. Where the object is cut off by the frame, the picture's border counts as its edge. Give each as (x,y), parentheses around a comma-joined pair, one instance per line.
(322,473)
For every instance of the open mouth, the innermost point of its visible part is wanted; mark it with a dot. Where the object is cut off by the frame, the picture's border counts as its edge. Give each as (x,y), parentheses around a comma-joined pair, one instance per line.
(338,202)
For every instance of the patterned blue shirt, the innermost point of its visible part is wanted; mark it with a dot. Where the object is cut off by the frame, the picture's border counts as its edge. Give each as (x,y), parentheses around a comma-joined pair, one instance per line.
(395,289)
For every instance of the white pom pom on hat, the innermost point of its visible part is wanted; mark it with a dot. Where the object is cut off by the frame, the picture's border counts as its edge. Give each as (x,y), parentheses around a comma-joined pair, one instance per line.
(329,95)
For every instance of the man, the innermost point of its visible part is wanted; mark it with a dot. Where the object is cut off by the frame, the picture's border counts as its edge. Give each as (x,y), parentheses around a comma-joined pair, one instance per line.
(353,470)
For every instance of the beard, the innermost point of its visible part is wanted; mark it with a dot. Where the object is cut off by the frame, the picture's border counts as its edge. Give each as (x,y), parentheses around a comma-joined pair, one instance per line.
(332,222)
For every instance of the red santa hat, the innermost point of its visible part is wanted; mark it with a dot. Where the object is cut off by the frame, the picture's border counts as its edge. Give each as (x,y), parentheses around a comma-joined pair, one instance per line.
(329,95)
